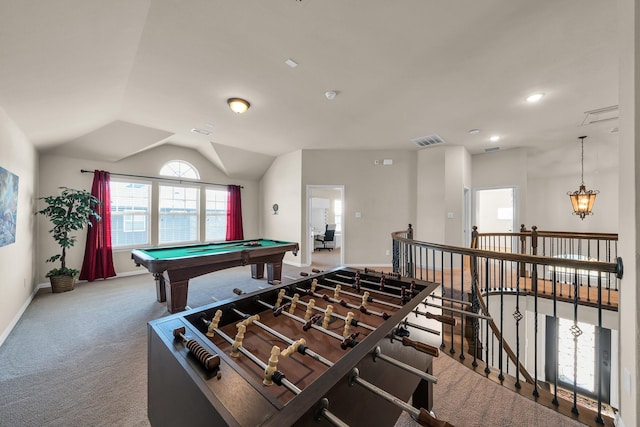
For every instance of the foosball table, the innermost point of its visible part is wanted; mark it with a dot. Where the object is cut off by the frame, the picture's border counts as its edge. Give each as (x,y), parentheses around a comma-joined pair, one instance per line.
(342,347)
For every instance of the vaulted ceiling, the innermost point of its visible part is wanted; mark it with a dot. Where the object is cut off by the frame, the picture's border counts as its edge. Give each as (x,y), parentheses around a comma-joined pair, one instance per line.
(106,79)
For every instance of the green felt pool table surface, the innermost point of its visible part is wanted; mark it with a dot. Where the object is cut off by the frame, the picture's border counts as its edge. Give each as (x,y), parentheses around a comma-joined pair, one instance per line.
(210,248)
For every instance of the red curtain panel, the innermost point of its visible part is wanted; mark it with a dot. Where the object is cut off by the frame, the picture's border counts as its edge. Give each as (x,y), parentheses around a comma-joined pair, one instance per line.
(98,255)
(234,213)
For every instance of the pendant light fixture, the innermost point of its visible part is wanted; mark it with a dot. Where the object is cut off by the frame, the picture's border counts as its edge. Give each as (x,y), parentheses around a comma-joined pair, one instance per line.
(582,199)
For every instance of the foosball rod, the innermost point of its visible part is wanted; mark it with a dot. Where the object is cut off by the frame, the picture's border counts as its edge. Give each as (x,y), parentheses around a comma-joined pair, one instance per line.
(370,282)
(343,303)
(345,341)
(377,354)
(353,286)
(339,316)
(323,411)
(307,350)
(422,328)
(457,310)
(422,416)
(442,319)
(285,382)
(457,301)
(377,301)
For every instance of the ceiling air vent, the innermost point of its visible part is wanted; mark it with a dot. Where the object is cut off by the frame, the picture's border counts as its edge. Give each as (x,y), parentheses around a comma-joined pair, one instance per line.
(490,149)
(428,141)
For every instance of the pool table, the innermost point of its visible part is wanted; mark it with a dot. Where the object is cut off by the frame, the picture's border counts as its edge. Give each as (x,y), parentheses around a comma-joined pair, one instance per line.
(172,267)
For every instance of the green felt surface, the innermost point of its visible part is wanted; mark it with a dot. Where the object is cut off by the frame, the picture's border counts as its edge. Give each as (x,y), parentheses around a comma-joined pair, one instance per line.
(208,249)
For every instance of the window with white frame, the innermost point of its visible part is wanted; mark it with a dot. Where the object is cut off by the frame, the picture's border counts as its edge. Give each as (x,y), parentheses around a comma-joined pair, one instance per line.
(130,213)
(179,169)
(178,214)
(178,205)
(216,214)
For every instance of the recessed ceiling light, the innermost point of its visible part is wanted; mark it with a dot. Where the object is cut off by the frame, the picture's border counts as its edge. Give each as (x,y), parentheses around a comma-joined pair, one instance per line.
(494,138)
(330,95)
(291,63)
(534,97)
(474,131)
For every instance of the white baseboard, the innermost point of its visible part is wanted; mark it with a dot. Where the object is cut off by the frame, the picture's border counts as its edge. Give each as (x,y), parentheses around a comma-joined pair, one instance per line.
(617,421)
(19,314)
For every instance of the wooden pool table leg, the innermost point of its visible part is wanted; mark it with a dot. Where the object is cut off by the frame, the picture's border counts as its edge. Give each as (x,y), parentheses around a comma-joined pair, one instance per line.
(161,293)
(176,293)
(274,271)
(257,270)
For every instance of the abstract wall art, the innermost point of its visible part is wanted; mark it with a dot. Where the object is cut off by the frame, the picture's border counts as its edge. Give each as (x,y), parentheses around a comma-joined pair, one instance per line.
(8,206)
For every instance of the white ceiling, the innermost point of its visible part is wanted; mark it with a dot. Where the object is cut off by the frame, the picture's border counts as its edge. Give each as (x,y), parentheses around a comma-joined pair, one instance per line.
(139,73)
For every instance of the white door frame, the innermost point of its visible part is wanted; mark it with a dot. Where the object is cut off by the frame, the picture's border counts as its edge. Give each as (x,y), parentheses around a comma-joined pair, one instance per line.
(515,227)
(307,225)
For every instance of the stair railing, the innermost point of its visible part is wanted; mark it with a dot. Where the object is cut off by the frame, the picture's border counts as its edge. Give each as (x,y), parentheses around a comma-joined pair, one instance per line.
(492,281)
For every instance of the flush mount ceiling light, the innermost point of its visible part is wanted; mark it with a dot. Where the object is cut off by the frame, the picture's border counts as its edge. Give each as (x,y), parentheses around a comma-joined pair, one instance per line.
(238,105)
(494,138)
(534,97)
(582,199)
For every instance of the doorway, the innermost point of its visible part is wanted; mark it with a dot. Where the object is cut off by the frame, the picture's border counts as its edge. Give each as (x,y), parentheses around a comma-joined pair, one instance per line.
(325,207)
(495,210)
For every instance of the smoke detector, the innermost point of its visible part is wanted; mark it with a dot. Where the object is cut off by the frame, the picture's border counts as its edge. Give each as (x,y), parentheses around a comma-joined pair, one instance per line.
(330,95)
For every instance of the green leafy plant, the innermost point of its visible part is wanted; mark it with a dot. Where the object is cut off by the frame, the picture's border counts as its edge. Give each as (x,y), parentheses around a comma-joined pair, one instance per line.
(69,211)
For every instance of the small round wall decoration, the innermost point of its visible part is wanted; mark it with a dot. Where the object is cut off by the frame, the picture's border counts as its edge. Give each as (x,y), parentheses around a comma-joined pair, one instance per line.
(275,208)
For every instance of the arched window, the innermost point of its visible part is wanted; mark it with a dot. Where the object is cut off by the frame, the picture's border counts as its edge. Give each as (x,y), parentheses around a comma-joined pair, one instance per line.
(179,169)
(179,205)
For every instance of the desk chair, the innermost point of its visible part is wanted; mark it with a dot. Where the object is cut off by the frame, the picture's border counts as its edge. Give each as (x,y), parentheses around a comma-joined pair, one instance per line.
(326,240)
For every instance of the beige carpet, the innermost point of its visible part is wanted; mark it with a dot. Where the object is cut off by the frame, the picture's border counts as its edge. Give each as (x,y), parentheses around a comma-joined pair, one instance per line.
(79,359)
(466,399)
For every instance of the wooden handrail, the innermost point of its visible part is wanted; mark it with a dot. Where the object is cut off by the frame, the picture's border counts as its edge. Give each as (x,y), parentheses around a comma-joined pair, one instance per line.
(606,267)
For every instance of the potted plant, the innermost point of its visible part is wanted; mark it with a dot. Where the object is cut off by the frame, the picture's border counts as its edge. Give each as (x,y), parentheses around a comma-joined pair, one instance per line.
(69,211)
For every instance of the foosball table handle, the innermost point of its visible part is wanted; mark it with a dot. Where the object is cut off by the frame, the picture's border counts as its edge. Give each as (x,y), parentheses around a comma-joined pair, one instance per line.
(426,419)
(420,346)
(442,319)
(209,361)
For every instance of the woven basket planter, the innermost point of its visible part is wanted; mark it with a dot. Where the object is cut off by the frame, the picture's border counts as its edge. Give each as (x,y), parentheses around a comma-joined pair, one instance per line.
(62,283)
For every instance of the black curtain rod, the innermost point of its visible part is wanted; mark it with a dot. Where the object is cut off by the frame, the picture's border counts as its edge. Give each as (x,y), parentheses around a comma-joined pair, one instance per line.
(182,181)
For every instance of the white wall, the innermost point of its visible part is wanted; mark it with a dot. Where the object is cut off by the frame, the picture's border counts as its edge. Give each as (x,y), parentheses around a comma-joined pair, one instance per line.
(629,207)
(57,171)
(383,195)
(443,173)
(18,156)
(504,169)
(281,184)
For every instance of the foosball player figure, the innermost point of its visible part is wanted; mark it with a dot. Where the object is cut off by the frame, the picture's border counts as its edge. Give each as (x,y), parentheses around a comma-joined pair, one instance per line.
(238,342)
(365,301)
(309,312)
(294,347)
(214,324)
(327,316)
(336,292)
(347,324)
(249,320)
(294,302)
(280,296)
(272,366)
